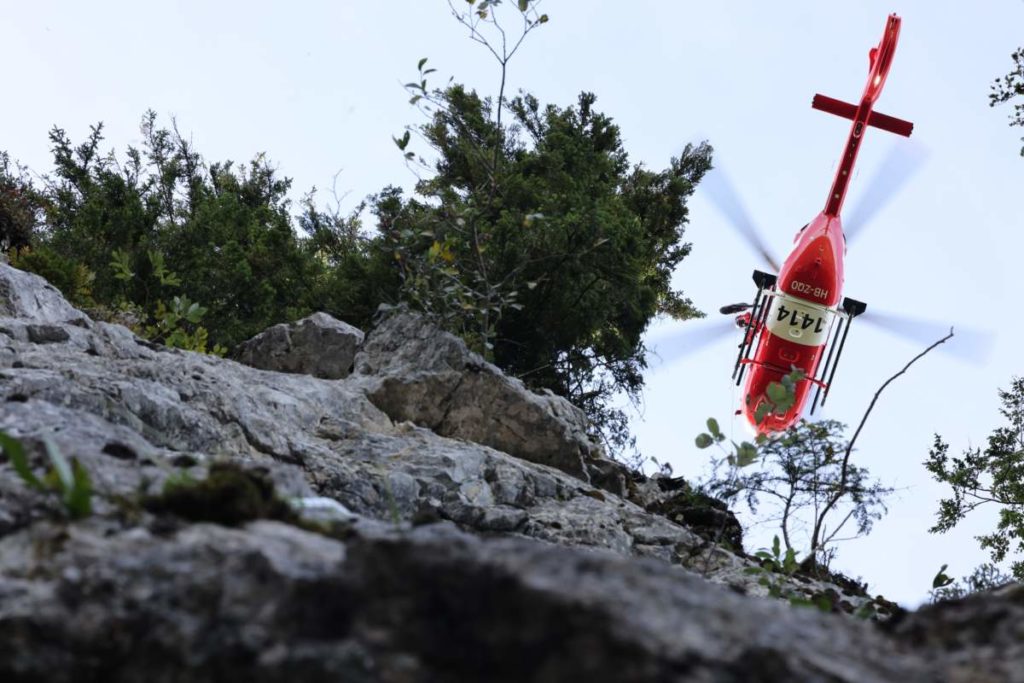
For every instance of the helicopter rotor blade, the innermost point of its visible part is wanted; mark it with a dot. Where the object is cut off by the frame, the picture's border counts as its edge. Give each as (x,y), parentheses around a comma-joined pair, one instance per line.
(696,337)
(903,161)
(720,190)
(967,344)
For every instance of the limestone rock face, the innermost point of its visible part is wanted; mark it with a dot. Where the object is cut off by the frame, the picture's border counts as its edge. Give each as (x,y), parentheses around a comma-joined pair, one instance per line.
(317,345)
(415,372)
(449,525)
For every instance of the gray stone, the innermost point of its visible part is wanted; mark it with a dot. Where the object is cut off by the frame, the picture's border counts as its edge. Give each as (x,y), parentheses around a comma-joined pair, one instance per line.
(318,345)
(414,371)
(430,550)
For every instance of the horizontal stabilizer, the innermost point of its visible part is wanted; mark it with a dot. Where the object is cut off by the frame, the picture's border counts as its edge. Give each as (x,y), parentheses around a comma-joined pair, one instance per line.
(876,119)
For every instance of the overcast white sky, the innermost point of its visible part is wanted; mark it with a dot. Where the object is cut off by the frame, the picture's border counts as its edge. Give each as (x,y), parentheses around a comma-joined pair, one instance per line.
(317,86)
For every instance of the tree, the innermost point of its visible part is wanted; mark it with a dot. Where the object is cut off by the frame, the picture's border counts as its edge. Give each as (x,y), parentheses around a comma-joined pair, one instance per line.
(225,231)
(994,475)
(532,236)
(20,206)
(552,261)
(800,471)
(1010,86)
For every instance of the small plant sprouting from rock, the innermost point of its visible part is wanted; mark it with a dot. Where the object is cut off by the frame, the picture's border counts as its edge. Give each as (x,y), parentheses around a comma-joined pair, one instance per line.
(984,577)
(229,495)
(776,569)
(67,478)
(174,324)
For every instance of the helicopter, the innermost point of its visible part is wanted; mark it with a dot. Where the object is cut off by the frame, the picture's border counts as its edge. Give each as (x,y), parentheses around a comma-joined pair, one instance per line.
(796,328)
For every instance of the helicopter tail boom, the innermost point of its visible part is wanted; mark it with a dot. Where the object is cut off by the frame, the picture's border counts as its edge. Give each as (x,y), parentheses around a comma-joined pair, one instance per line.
(880,59)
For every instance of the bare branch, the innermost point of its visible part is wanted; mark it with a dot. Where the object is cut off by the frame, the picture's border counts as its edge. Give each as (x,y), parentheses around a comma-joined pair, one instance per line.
(831,502)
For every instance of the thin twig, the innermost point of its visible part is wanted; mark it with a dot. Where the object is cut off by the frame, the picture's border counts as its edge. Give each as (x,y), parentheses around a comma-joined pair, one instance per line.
(849,447)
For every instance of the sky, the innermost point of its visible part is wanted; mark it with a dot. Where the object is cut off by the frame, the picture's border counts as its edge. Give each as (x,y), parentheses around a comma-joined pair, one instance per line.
(317,86)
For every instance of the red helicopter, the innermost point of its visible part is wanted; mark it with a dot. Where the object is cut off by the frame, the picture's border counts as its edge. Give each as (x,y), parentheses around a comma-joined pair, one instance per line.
(799,319)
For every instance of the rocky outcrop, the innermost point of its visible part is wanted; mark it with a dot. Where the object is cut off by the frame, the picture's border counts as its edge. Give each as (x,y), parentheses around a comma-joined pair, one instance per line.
(414,372)
(318,345)
(385,527)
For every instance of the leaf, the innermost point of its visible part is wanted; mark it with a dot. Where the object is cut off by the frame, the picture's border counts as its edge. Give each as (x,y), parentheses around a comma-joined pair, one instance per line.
(776,547)
(713,427)
(78,500)
(762,412)
(419,67)
(704,440)
(524,5)
(16,454)
(543,19)
(823,603)
(941,580)
(789,562)
(776,392)
(746,454)
(60,466)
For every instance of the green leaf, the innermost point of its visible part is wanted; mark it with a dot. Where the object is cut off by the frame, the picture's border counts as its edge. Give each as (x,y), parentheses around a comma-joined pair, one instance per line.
(60,466)
(941,580)
(543,19)
(524,5)
(713,427)
(120,263)
(16,454)
(776,547)
(419,67)
(776,392)
(78,500)
(789,563)
(762,412)
(746,454)
(865,611)
(704,440)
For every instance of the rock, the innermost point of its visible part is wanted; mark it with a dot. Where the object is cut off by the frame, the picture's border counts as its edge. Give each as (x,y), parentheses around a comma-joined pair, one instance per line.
(318,345)
(417,545)
(270,602)
(414,371)
(674,499)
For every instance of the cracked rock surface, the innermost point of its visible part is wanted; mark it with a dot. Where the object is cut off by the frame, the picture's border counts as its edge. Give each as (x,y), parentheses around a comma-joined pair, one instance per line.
(460,528)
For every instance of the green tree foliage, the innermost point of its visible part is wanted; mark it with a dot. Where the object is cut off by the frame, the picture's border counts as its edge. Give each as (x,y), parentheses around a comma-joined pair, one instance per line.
(226,230)
(815,495)
(358,272)
(1009,87)
(540,243)
(994,474)
(20,206)
(984,577)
